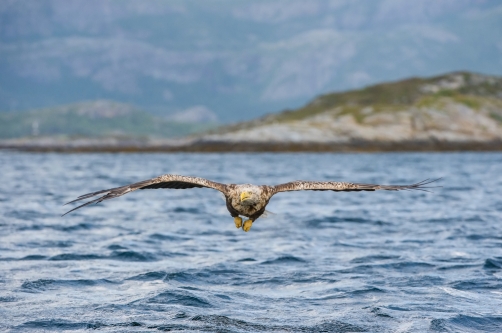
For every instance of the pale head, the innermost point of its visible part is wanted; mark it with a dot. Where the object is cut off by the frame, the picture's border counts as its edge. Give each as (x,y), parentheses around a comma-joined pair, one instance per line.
(249,194)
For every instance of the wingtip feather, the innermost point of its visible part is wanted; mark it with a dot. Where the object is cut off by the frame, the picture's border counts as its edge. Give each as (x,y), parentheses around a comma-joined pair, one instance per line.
(83,205)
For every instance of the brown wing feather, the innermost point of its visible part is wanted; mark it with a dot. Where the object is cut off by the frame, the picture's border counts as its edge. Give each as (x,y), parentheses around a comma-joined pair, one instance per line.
(164,181)
(301,185)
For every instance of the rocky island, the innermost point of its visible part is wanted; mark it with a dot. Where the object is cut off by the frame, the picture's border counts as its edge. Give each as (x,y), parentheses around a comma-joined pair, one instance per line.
(456,111)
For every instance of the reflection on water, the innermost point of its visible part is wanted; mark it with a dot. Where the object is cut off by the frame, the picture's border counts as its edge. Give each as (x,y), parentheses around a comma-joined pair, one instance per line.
(325,261)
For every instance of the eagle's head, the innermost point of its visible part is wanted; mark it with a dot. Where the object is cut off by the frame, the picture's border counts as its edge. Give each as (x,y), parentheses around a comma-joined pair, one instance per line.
(250,195)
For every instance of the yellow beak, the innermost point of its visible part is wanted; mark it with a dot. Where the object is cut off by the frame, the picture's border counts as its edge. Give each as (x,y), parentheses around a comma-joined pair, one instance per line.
(245,196)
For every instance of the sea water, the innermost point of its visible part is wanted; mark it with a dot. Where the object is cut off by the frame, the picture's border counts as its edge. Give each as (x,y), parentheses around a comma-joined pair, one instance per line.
(172,260)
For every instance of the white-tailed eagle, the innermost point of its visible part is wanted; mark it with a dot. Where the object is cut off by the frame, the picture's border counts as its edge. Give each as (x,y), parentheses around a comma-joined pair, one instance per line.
(244,199)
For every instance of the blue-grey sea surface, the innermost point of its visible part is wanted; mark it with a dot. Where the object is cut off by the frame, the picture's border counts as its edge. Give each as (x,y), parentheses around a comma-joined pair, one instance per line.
(172,260)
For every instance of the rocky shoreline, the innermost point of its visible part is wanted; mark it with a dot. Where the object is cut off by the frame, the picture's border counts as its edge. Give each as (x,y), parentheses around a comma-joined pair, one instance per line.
(258,147)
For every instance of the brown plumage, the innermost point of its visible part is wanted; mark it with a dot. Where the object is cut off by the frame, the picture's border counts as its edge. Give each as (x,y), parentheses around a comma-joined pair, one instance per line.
(244,199)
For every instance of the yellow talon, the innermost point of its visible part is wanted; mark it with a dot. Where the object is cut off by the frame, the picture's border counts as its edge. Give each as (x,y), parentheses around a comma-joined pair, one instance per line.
(247,225)
(238,222)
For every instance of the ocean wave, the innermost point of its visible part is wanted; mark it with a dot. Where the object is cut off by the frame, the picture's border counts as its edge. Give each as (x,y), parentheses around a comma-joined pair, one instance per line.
(115,255)
(471,324)
(49,284)
(149,276)
(284,260)
(493,263)
(75,256)
(58,325)
(225,323)
(477,284)
(186,210)
(165,237)
(182,297)
(329,221)
(373,258)
(131,256)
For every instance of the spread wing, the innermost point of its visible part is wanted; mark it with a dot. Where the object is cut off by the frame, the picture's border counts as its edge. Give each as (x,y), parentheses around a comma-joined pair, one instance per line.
(164,181)
(301,185)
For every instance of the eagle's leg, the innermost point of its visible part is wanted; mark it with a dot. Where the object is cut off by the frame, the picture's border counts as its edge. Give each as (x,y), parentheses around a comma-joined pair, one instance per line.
(247,225)
(238,222)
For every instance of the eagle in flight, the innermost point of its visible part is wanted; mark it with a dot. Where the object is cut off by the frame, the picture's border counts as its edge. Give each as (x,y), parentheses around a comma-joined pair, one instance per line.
(242,199)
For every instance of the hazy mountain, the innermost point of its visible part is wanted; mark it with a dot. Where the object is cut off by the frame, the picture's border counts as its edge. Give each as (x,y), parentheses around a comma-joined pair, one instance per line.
(236,59)
(96,119)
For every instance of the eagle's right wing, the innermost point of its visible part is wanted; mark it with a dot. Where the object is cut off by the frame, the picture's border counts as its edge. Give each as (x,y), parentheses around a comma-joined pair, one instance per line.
(301,185)
(164,181)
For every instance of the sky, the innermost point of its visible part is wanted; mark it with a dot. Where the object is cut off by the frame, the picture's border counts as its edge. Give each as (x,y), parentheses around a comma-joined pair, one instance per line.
(233,60)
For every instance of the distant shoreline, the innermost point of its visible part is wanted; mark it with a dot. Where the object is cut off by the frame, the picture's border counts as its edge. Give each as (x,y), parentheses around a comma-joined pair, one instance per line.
(260,147)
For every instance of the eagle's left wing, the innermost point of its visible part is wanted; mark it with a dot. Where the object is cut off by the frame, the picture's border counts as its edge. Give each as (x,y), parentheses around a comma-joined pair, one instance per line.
(164,181)
(301,185)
